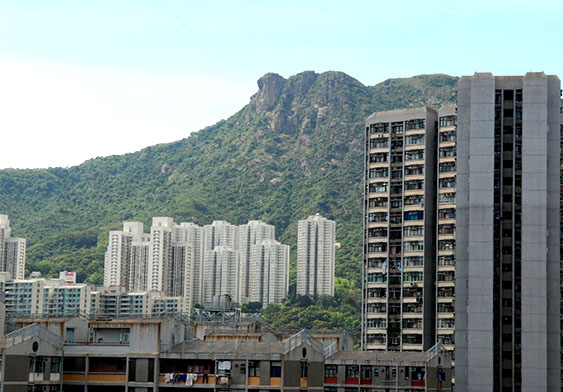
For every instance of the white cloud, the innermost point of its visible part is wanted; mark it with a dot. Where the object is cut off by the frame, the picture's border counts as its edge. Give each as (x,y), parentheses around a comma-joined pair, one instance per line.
(61,115)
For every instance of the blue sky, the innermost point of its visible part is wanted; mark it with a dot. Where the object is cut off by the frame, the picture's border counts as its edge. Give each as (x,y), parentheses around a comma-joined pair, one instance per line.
(82,79)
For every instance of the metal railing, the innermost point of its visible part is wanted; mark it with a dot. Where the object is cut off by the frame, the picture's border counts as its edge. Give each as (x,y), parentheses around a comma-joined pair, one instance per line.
(329,350)
(33,330)
(299,338)
(434,350)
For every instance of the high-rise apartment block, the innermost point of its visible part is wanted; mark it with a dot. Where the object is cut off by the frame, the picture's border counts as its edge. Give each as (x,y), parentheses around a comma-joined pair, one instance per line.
(191,235)
(399,306)
(249,235)
(12,251)
(446,226)
(508,233)
(221,273)
(197,264)
(159,261)
(315,256)
(269,272)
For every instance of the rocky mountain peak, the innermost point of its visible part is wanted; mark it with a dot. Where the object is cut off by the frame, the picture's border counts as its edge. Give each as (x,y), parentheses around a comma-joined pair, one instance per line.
(270,88)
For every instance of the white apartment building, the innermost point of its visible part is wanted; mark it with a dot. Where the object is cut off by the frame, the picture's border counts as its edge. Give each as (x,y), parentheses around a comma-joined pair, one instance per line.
(60,297)
(116,264)
(250,234)
(188,261)
(220,233)
(221,273)
(12,250)
(269,272)
(139,261)
(192,235)
(160,254)
(315,256)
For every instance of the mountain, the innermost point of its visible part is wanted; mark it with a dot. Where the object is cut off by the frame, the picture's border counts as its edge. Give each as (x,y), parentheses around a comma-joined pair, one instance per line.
(296,149)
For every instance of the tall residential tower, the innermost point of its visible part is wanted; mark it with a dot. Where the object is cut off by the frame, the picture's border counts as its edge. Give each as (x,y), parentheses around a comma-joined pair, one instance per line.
(12,251)
(399,230)
(508,255)
(315,256)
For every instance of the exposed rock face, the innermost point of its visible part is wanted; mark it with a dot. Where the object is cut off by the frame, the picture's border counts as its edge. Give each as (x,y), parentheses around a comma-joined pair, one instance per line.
(270,89)
(300,102)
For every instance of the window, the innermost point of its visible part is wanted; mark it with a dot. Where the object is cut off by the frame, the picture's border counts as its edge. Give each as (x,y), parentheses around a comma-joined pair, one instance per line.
(304,368)
(446,229)
(377,247)
(448,182)
(413,170)
(379,142)
(446,198)
(414,155)
(414,215)
(376,308)
(378,202)
(377,217)
(55,365)
(331,371)
(378,187)
(37,365)
(365,372)
(411,200)
(413,231)
(376,323)
(446,213)
(415,124)
(376,338)
(70,335)
(414,185)
(447,121)
(449,136)
(413,276)
(447,167)
(414,246)
(379,128)
(242,368)
(446,152)
(397,129)
(378,157)
(253,368)
(275,369)
(376,277)
(381,172)
(415,139)
(446,245)
(446,260)
(413,261)
(352,371)
(376,261)
(377,232)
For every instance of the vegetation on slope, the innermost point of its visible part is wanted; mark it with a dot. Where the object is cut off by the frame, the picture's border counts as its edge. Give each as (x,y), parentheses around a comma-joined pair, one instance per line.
(296,149)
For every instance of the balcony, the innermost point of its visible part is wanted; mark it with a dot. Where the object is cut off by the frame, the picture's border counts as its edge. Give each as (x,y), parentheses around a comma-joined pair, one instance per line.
(201,380)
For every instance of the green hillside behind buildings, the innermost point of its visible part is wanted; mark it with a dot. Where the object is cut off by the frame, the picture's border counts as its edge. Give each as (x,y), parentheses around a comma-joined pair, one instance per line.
(296,149)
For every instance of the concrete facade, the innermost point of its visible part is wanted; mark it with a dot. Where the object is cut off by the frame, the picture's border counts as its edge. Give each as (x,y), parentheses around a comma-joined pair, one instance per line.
(249,235)
(12,250)
(157,355)
(508,256)
(316,237)
(269,272)
(399,290)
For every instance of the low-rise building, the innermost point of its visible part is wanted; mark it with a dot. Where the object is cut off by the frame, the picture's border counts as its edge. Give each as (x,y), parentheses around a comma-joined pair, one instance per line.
(75,354)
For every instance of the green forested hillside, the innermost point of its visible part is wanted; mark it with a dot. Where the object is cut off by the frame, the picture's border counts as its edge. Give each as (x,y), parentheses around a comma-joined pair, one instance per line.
(295,149)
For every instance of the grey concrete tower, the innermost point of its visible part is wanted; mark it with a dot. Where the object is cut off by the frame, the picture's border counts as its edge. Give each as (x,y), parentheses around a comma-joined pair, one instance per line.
(399,291)
(507,331)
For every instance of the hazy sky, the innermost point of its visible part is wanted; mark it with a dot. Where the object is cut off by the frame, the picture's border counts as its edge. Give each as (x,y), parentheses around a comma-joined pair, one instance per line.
(81,79)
